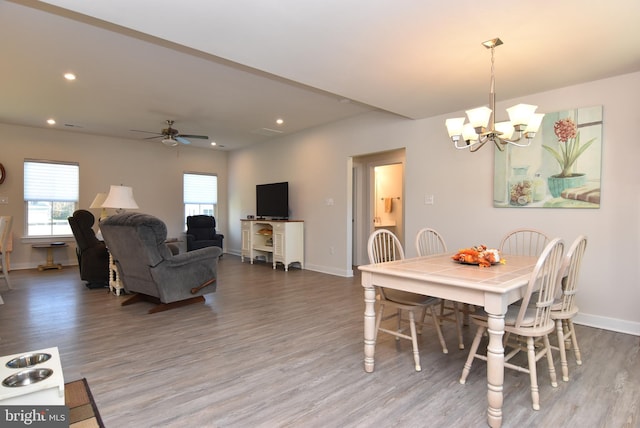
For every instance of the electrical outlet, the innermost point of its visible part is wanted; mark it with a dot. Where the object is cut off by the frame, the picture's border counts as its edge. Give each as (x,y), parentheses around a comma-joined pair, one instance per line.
(332,250)
(4,200)
(428,199)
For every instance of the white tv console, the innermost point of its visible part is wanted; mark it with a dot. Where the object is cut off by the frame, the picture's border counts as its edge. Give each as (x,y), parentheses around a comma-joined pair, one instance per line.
(281,241)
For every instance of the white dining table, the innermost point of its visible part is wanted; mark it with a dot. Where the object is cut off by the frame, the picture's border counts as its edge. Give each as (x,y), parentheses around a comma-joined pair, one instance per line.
(492,288)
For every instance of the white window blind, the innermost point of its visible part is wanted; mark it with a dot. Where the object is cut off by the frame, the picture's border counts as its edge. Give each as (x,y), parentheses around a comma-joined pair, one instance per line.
(200,189)
(50,181)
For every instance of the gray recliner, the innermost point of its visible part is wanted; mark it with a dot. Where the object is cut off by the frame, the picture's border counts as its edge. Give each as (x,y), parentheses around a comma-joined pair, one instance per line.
(148,268)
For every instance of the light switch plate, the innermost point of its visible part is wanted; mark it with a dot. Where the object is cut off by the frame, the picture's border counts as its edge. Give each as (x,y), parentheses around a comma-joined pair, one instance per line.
(4,200)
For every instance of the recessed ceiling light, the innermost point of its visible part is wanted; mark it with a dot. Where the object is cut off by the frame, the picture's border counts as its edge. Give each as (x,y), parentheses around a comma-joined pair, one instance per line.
(51,121)
(69,76)
(213,143)
(279,121)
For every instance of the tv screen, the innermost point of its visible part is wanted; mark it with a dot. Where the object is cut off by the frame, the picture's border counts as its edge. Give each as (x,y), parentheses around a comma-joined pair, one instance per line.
(272,200)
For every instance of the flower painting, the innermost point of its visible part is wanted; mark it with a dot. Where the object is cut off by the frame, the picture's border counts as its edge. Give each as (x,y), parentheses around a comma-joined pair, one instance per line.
(561,168)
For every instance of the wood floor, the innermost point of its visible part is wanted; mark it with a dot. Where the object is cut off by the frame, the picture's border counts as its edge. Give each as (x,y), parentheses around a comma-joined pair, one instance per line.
(276,349)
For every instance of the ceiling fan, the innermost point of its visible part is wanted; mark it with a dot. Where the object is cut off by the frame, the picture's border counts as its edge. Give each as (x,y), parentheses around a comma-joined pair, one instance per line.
(171,136)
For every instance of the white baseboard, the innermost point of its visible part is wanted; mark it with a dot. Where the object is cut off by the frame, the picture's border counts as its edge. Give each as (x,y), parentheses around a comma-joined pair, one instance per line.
(34,265)
(606,323)
(329,270)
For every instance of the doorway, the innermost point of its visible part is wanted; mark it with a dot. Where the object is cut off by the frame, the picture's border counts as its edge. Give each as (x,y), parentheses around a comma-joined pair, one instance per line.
(377,198)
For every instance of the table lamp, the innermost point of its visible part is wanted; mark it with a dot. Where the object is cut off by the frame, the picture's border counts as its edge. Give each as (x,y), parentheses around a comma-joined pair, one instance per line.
(120,198)
(97,203)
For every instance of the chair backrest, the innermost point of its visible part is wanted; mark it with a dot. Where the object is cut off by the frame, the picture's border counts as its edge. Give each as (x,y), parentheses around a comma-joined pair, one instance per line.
(202,227)
(543,282)
(384,246)
(81,223)
(6,221)
(570,271)
(429,242)
(524,242)
(137,243)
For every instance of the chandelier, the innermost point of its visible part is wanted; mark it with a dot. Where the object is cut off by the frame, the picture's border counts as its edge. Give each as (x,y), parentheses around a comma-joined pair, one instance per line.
(481,128)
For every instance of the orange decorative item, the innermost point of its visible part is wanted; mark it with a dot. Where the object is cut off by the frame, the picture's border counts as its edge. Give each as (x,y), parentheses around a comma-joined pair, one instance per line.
(480,255)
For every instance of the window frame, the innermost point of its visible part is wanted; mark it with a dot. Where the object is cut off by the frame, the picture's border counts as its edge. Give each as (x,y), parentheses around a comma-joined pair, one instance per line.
(63,190)
(199,200)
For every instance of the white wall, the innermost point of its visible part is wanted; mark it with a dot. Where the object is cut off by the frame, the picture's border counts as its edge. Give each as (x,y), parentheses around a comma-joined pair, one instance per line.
(316,164)
(153,170)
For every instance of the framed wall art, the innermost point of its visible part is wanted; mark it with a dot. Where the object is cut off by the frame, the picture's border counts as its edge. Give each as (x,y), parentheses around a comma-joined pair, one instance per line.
(560,169)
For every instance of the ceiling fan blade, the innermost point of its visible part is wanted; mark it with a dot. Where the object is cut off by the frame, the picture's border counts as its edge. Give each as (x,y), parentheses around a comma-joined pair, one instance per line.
(181,139)
(198,137)
(146,132)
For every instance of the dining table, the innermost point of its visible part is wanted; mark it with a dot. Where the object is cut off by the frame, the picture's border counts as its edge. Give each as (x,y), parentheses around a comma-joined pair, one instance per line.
(492,288)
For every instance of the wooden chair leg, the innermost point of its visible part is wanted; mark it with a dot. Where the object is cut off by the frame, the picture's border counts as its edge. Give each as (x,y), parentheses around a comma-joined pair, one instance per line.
(531,357)
(414,340)
(434,317)
(552,367)
(472,353)
(563,351)
(166,306)
(458,314)
(574,342)
(379,316)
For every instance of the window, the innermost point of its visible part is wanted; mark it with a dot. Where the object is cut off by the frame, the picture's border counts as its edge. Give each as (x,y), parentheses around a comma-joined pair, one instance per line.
(50,196)
(200,194)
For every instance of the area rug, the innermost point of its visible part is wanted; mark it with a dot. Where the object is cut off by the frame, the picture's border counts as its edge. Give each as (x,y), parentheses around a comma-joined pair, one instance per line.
(83,412)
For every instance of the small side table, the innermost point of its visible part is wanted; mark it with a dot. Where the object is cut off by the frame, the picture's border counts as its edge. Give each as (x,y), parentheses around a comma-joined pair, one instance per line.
(50,247)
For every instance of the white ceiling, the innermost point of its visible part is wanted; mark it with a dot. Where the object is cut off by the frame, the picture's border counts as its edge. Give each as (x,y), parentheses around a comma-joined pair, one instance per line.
(229,69)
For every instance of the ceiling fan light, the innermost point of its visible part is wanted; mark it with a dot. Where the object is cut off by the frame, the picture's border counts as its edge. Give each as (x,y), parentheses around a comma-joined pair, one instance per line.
(170,142)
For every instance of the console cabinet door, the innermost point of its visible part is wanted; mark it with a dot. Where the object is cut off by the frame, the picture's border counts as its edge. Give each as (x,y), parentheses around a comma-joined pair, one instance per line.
(246,240)
(279,242)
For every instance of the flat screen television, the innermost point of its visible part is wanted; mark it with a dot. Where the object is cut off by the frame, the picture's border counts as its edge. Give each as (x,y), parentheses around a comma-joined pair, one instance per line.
(272,200)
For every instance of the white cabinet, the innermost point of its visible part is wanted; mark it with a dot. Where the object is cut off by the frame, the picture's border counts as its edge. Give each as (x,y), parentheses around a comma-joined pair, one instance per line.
(277,241)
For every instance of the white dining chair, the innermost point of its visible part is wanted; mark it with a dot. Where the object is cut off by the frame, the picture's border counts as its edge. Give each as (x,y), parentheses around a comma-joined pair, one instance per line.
(429,242)
(384,246)
(5,229)
(528,322)
(524,242)
(565,308)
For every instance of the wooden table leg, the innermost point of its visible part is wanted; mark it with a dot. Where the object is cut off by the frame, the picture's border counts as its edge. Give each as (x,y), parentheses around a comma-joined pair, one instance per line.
(369,323)
(495,369)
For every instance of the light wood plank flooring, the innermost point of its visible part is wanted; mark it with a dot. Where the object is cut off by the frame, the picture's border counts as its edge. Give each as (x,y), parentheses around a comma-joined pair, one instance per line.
(276,349)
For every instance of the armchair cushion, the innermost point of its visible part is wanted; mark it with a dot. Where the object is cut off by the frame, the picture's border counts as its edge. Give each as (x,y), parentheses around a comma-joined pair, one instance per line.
(147,265)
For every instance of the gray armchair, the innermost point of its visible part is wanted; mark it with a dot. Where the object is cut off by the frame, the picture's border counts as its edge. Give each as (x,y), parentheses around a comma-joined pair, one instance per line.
(148,268)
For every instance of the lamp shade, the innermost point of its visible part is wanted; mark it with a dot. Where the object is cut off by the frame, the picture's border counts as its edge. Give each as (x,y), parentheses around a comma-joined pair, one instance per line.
(535,122)
(521,114)
(454,126)
(506,128)
(120,197)
(479,117)
(170,142)
(98,200)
